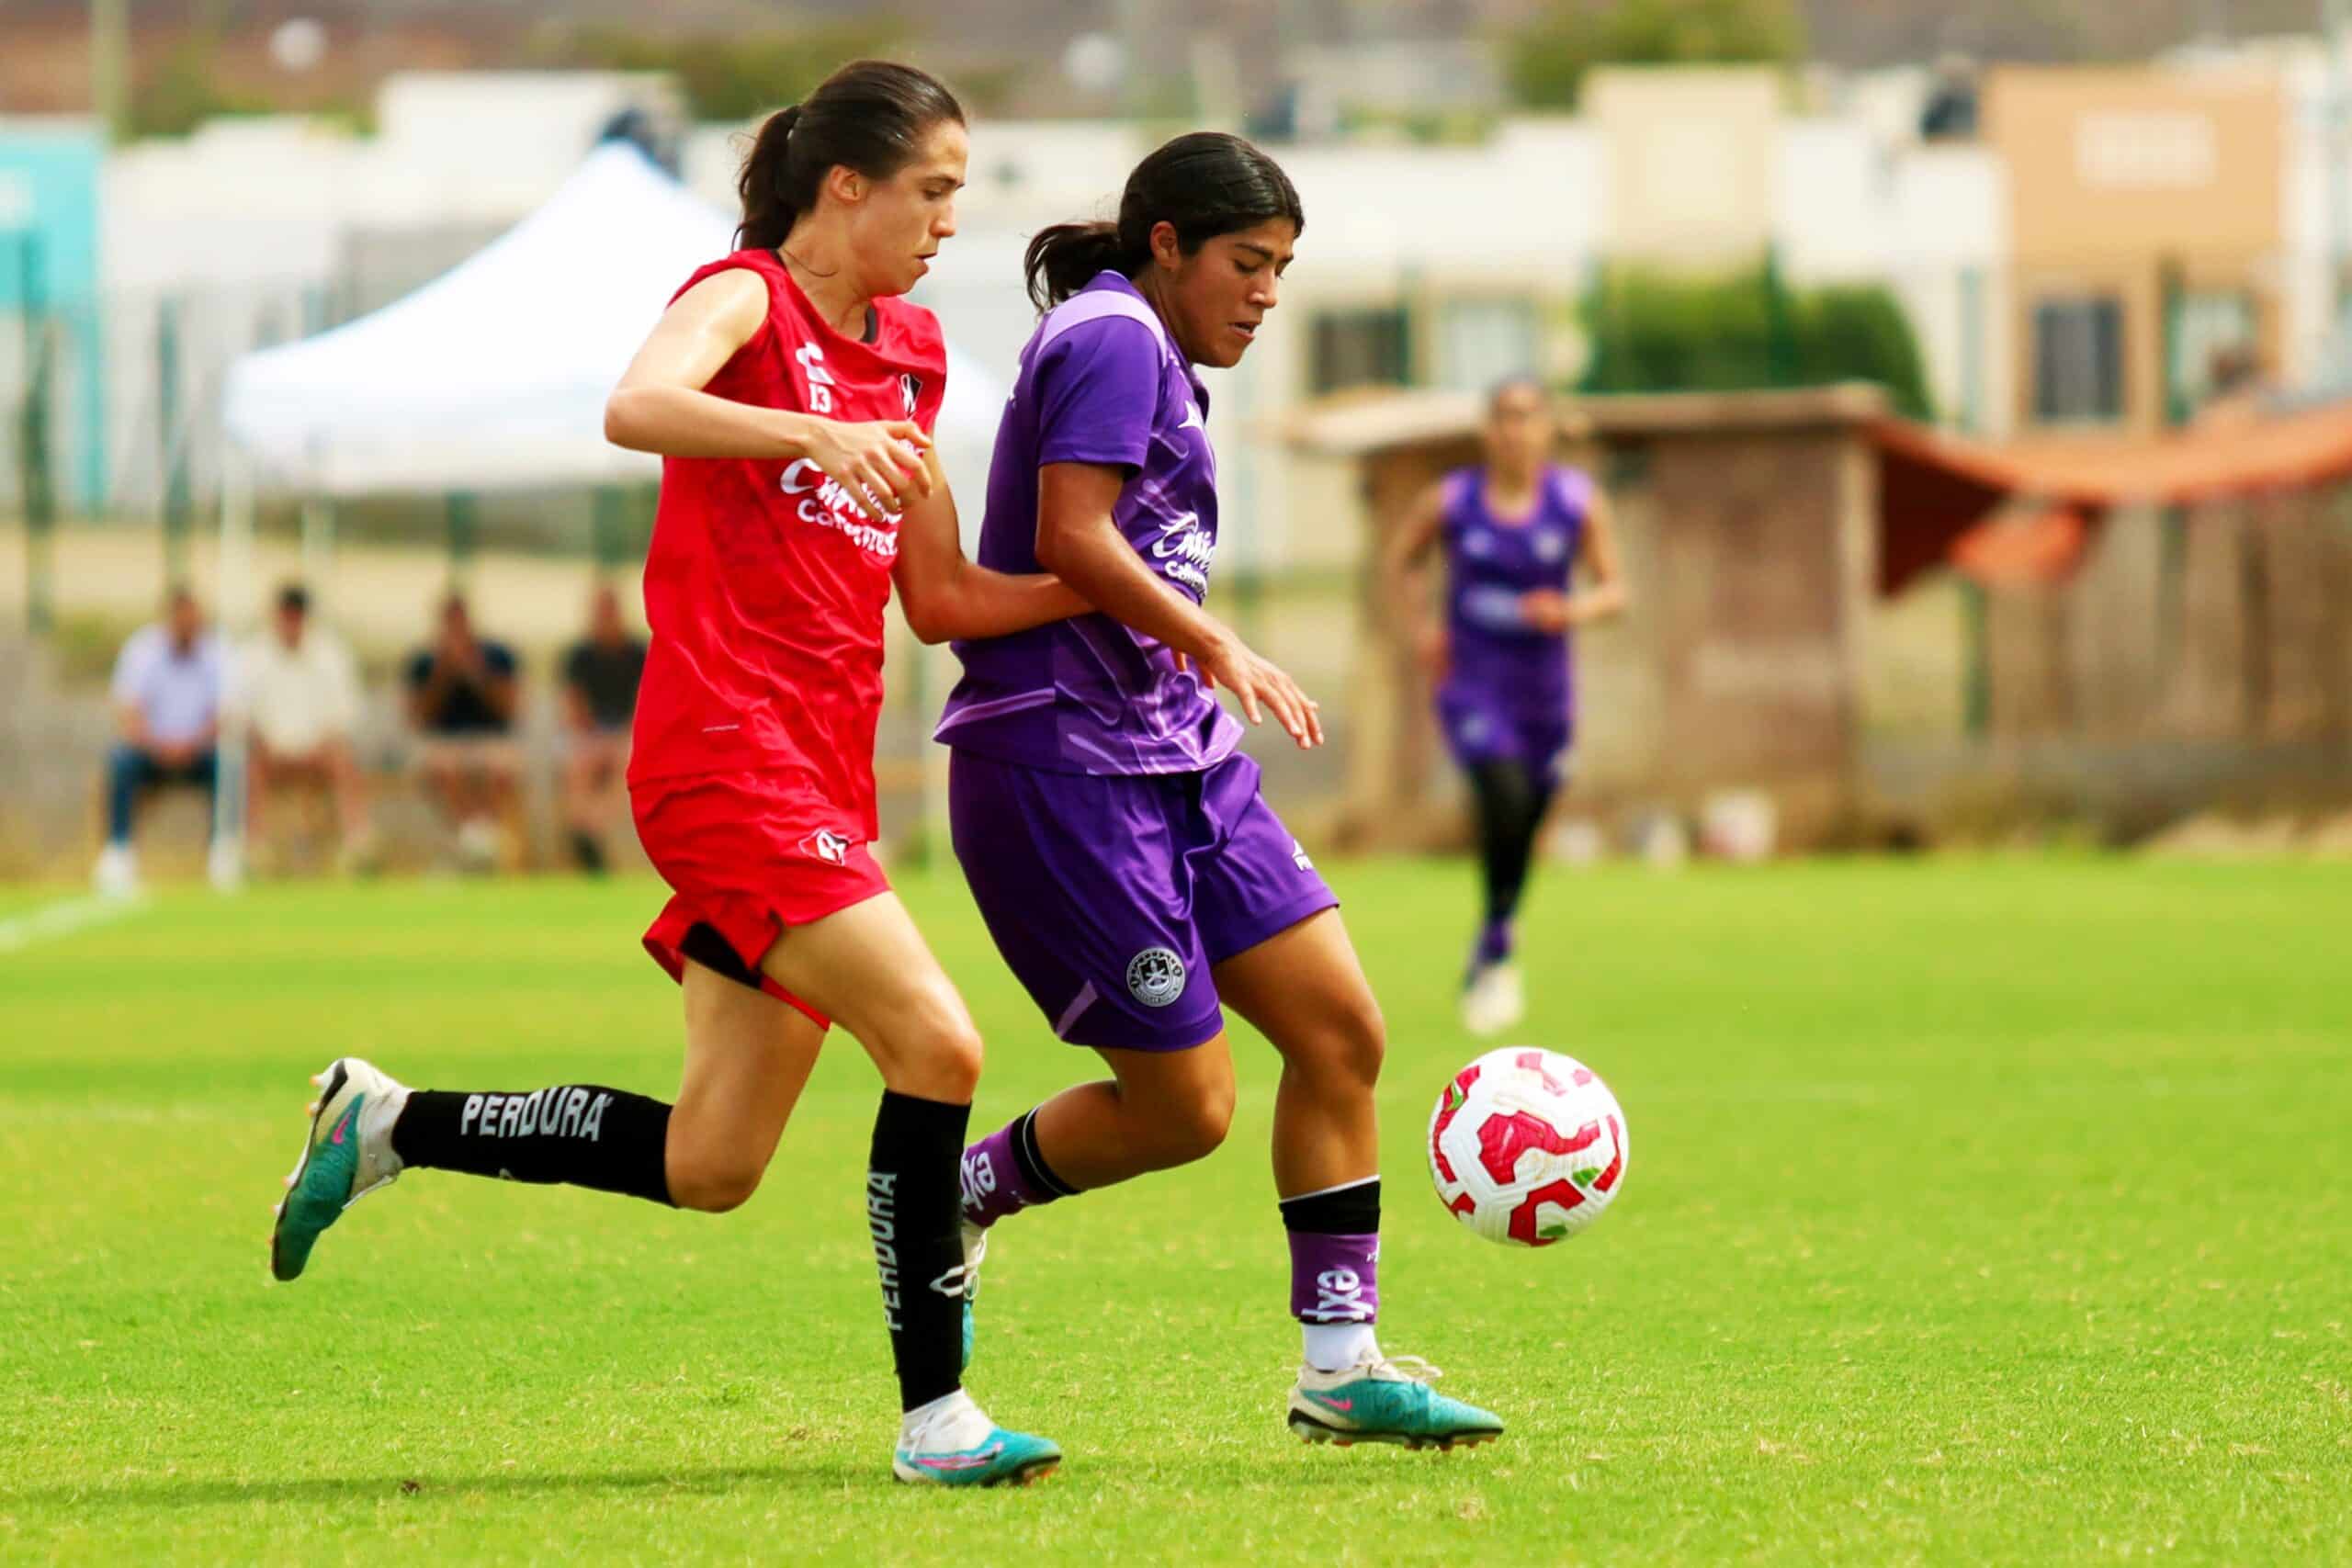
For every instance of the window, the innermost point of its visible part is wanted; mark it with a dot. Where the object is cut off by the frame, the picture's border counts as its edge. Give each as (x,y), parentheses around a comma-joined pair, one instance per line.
(1482,342)
(2214,344)
(2077,361)
(1362,348)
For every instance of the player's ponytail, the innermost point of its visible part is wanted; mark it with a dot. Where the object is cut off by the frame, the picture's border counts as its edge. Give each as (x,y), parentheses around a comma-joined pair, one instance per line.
(870,116)
(1205,184)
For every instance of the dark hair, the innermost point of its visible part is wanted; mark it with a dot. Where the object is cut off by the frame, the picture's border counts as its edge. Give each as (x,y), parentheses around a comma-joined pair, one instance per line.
(870,116)
(294,597)
(1518,380)
(1205,182)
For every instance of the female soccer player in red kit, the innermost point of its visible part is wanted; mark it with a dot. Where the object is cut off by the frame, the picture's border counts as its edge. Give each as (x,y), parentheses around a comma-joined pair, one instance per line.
(790,392)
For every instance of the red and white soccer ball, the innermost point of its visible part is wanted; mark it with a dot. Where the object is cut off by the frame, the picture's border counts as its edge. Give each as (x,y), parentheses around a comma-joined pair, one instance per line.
(1527,1148)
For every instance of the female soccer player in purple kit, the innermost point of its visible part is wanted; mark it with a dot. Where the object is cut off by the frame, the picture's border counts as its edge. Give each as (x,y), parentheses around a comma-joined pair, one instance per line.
(1514,532)
(1113,836)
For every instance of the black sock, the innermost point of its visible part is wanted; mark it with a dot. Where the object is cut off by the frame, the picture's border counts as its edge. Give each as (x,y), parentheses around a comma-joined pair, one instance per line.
(588,852)
(579,1134)
(1354,1210)
(914,1207)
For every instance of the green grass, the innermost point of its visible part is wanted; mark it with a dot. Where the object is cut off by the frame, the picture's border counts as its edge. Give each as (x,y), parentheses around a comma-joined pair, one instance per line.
(1985,1211)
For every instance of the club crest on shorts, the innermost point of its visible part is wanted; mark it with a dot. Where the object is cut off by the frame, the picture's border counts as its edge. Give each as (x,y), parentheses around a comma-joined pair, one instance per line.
(827,846)
(1156,976)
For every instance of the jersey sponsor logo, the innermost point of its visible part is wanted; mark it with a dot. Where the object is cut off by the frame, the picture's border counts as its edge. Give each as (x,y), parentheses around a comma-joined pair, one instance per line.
(817,380)
(1186,552)
(1156,976)
(1551,547)
(827,846)
(829,504)
(1478,542)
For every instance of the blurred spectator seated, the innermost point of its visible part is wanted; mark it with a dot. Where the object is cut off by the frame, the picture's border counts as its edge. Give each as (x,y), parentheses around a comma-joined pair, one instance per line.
(462,700)
(300,693)
(600,676)
(166,696)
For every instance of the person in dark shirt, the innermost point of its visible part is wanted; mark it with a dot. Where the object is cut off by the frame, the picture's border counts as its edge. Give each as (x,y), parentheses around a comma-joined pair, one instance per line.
(462,700)
(600,676)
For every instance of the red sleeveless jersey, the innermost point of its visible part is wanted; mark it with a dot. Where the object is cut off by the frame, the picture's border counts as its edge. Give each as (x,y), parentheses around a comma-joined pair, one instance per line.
(766,583)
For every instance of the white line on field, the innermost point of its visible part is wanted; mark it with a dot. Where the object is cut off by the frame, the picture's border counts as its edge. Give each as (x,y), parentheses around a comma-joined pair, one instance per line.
(63,918)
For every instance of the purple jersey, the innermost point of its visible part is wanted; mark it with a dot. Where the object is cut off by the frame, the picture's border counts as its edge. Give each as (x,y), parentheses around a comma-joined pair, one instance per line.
(1100,383)
(1491,652)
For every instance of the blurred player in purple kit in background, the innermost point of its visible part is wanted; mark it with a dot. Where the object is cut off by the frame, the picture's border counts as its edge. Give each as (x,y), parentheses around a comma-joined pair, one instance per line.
(1513,531)
(1114,836)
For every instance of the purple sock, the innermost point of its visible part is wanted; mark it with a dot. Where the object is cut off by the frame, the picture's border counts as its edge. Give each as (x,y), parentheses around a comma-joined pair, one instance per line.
(1334,1279)
(1494,942)
(1004,1173)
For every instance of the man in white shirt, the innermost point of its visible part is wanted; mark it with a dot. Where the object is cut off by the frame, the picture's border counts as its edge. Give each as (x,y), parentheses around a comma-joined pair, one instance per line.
(167,695)
(300,691)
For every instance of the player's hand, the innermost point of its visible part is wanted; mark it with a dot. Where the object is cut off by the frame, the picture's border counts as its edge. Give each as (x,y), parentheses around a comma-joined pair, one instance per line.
(1262,688)
(1545,609)
(881,461)
(1433,652)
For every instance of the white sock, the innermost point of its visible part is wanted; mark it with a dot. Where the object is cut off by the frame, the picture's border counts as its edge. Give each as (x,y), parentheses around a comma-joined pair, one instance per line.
(1336,1346)
(947,1425)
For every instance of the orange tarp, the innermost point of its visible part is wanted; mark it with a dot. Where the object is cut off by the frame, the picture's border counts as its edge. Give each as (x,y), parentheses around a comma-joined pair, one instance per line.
(1934,489)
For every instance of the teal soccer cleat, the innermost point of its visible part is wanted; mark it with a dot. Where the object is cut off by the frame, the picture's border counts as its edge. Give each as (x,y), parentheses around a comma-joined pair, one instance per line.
(959,1446)
(347,1156)
(1385,1400)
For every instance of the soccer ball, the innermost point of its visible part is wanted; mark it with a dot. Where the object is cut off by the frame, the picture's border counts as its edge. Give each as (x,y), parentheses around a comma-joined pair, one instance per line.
(1527,1148)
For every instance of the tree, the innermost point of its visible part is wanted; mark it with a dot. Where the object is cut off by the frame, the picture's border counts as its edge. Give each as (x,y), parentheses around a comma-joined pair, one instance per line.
(1548,60)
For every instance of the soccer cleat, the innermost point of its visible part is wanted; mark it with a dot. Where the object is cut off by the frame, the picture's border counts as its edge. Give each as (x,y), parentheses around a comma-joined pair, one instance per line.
(959,1446)
(1494,1000)
(117,873)
(976,1247)
(347,1156)
(1385,1399)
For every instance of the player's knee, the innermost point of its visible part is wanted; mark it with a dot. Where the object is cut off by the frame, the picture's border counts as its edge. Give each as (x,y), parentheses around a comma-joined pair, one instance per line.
(940,1052)
(1193,1128)
(1349,1045)
(713,1182)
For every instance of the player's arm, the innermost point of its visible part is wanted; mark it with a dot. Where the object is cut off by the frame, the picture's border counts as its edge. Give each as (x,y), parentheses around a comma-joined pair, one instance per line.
(1405,571)
(1607,596)
(946,595)
(1080,544)
(660,407)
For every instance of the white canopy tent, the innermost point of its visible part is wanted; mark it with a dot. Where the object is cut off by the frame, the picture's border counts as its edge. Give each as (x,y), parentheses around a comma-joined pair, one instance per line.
(494,377)
(494,374)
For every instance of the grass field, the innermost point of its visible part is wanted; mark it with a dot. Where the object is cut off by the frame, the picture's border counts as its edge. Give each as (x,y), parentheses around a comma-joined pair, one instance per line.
(1988,1211)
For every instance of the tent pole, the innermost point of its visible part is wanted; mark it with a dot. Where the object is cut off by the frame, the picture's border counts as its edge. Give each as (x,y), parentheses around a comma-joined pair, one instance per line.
(237,619)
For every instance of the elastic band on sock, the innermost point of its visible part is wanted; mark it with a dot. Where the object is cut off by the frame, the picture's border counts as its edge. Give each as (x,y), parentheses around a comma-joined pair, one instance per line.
(1032,1159)
(1352,1210)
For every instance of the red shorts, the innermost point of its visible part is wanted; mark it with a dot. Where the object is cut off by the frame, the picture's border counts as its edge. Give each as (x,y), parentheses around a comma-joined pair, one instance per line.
(746,855)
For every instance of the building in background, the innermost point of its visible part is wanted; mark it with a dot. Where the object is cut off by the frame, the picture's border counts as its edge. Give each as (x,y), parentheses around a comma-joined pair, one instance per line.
(2148,216)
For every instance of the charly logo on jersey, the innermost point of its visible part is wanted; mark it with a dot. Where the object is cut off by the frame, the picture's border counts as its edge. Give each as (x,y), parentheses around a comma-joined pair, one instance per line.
(828,504)
(1156,976)
(1551,545)
(1478,542)
(912,386)
(1185,550)
(1192,420)
(827,846)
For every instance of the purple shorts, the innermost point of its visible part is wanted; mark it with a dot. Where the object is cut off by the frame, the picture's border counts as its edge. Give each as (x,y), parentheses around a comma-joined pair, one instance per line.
(1482,727)
(1112,899)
